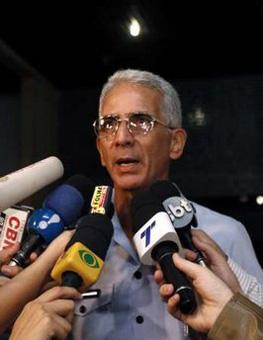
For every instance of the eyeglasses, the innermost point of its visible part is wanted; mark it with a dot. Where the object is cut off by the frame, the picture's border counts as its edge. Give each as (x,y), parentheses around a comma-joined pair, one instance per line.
(137,123)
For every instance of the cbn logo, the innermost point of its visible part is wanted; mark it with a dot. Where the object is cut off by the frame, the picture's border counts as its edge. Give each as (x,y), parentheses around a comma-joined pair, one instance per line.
(89,259)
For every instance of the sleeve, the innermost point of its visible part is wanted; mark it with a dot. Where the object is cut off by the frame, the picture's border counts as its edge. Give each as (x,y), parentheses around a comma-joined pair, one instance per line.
(240,319)
(242,251)
(232,237)
(248,283)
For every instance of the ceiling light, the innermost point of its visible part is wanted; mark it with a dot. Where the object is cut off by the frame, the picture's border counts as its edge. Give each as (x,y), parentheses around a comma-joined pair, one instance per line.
(259,200)
(134,27)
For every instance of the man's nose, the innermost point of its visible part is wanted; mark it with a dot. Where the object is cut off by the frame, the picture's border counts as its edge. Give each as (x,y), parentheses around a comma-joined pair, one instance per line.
(123,135)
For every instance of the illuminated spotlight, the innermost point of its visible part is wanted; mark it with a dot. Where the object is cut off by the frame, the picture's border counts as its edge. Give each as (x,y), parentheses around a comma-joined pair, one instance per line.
(134,27)
(259,200)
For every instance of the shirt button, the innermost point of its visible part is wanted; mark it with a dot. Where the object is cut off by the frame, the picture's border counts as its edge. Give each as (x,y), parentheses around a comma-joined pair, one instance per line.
(138,275)
(139,319)
(82,309)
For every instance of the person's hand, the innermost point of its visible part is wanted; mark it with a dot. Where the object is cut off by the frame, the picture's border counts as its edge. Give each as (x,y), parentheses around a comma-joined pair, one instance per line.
(5,257)
(49,316)
(213,295)
(48,256)
(216,258)
(56,247)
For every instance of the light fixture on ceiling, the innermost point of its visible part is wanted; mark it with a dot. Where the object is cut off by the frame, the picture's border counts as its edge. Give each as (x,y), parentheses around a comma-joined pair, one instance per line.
(259,199)
(134,27)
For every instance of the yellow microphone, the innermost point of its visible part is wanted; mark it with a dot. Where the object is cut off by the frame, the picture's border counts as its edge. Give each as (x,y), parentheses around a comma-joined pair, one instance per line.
(81,264)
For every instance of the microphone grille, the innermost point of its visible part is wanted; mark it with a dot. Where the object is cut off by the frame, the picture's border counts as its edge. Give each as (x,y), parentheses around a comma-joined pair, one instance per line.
(95,232)
(164,189)
(143,207)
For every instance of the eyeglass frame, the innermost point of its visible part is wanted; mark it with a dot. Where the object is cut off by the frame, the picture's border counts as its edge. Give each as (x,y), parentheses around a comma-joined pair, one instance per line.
(153,121)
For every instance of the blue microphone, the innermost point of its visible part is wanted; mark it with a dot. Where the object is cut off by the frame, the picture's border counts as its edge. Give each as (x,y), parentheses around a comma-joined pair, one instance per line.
(61,208)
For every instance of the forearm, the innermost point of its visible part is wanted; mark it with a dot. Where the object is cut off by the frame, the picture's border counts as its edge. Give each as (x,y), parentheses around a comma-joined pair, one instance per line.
(240,319)
(23,288)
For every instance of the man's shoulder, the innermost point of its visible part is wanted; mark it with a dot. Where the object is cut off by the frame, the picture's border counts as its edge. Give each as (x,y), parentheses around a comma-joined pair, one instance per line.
(208,218)
(225,230)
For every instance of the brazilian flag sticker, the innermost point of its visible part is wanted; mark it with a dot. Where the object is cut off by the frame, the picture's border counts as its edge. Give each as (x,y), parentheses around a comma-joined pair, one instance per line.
(89,259)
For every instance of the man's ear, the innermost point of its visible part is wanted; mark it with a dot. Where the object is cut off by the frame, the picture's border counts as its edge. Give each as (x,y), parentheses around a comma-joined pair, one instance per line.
(98,141)
(179,137)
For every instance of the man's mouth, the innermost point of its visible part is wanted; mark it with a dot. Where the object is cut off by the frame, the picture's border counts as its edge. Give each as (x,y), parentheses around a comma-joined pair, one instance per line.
(127,161)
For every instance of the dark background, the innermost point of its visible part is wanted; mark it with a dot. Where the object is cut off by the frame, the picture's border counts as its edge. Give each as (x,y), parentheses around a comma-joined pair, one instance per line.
(53,62)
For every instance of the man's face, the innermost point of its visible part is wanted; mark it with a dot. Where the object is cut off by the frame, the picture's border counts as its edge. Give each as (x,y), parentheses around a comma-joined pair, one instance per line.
(136,161)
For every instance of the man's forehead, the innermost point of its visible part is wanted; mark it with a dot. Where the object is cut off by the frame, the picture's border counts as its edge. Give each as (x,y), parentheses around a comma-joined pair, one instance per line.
(131,98)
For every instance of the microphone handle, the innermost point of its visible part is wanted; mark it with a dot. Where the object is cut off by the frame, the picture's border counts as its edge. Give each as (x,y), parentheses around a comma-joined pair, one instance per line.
(163,253)
(186,240)
(32,243)
(71,279)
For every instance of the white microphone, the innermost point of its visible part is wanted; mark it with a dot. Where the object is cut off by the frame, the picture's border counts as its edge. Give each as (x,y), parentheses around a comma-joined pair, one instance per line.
(22,183)
(150,235)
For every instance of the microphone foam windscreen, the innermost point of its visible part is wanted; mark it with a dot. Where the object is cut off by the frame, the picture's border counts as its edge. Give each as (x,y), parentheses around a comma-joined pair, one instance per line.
(164,189)
(69,198)
(143,207)
(95,232)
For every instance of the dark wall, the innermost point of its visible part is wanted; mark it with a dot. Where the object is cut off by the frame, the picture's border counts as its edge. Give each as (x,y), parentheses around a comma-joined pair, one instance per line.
(9,133)
(77,111)
(224,153)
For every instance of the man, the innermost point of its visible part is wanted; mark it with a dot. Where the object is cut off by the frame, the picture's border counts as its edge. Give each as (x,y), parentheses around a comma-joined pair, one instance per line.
(138,133)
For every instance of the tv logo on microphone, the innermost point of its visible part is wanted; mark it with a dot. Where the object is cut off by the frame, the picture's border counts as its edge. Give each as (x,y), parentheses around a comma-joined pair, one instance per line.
(89,259)
(177,207)
(147,233)
(156,230)
(44,224)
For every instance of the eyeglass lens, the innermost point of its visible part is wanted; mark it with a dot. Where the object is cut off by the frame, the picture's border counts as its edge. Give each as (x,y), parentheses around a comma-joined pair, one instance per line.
(136,123)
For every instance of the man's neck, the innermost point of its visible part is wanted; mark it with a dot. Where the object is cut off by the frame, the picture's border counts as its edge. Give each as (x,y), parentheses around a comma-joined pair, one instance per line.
(122,203)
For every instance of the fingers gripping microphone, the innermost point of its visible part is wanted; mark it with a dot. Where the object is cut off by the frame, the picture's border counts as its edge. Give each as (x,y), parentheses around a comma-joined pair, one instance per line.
(81,264)
(61,208)
(181,213)
(22,183)
(156,240)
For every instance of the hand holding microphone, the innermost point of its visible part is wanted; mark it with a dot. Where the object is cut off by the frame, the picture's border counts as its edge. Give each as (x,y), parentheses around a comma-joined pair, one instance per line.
(47,317)
(213,291)
(27,284)
(61,208)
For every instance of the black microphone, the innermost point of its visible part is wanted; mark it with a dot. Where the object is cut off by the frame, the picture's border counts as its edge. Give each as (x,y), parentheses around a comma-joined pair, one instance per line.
(156,240)
(181,212)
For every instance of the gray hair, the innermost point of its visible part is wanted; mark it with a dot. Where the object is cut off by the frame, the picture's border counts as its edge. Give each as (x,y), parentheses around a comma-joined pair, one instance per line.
(170,105)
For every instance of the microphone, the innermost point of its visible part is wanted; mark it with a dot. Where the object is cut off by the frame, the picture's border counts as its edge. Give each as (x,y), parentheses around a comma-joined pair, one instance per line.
(181,213)
(81,264)
(156,240)
(13,224)
(22,183)
(61,208)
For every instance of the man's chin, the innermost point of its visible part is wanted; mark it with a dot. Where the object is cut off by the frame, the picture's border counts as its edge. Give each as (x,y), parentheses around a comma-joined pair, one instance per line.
(132,185)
